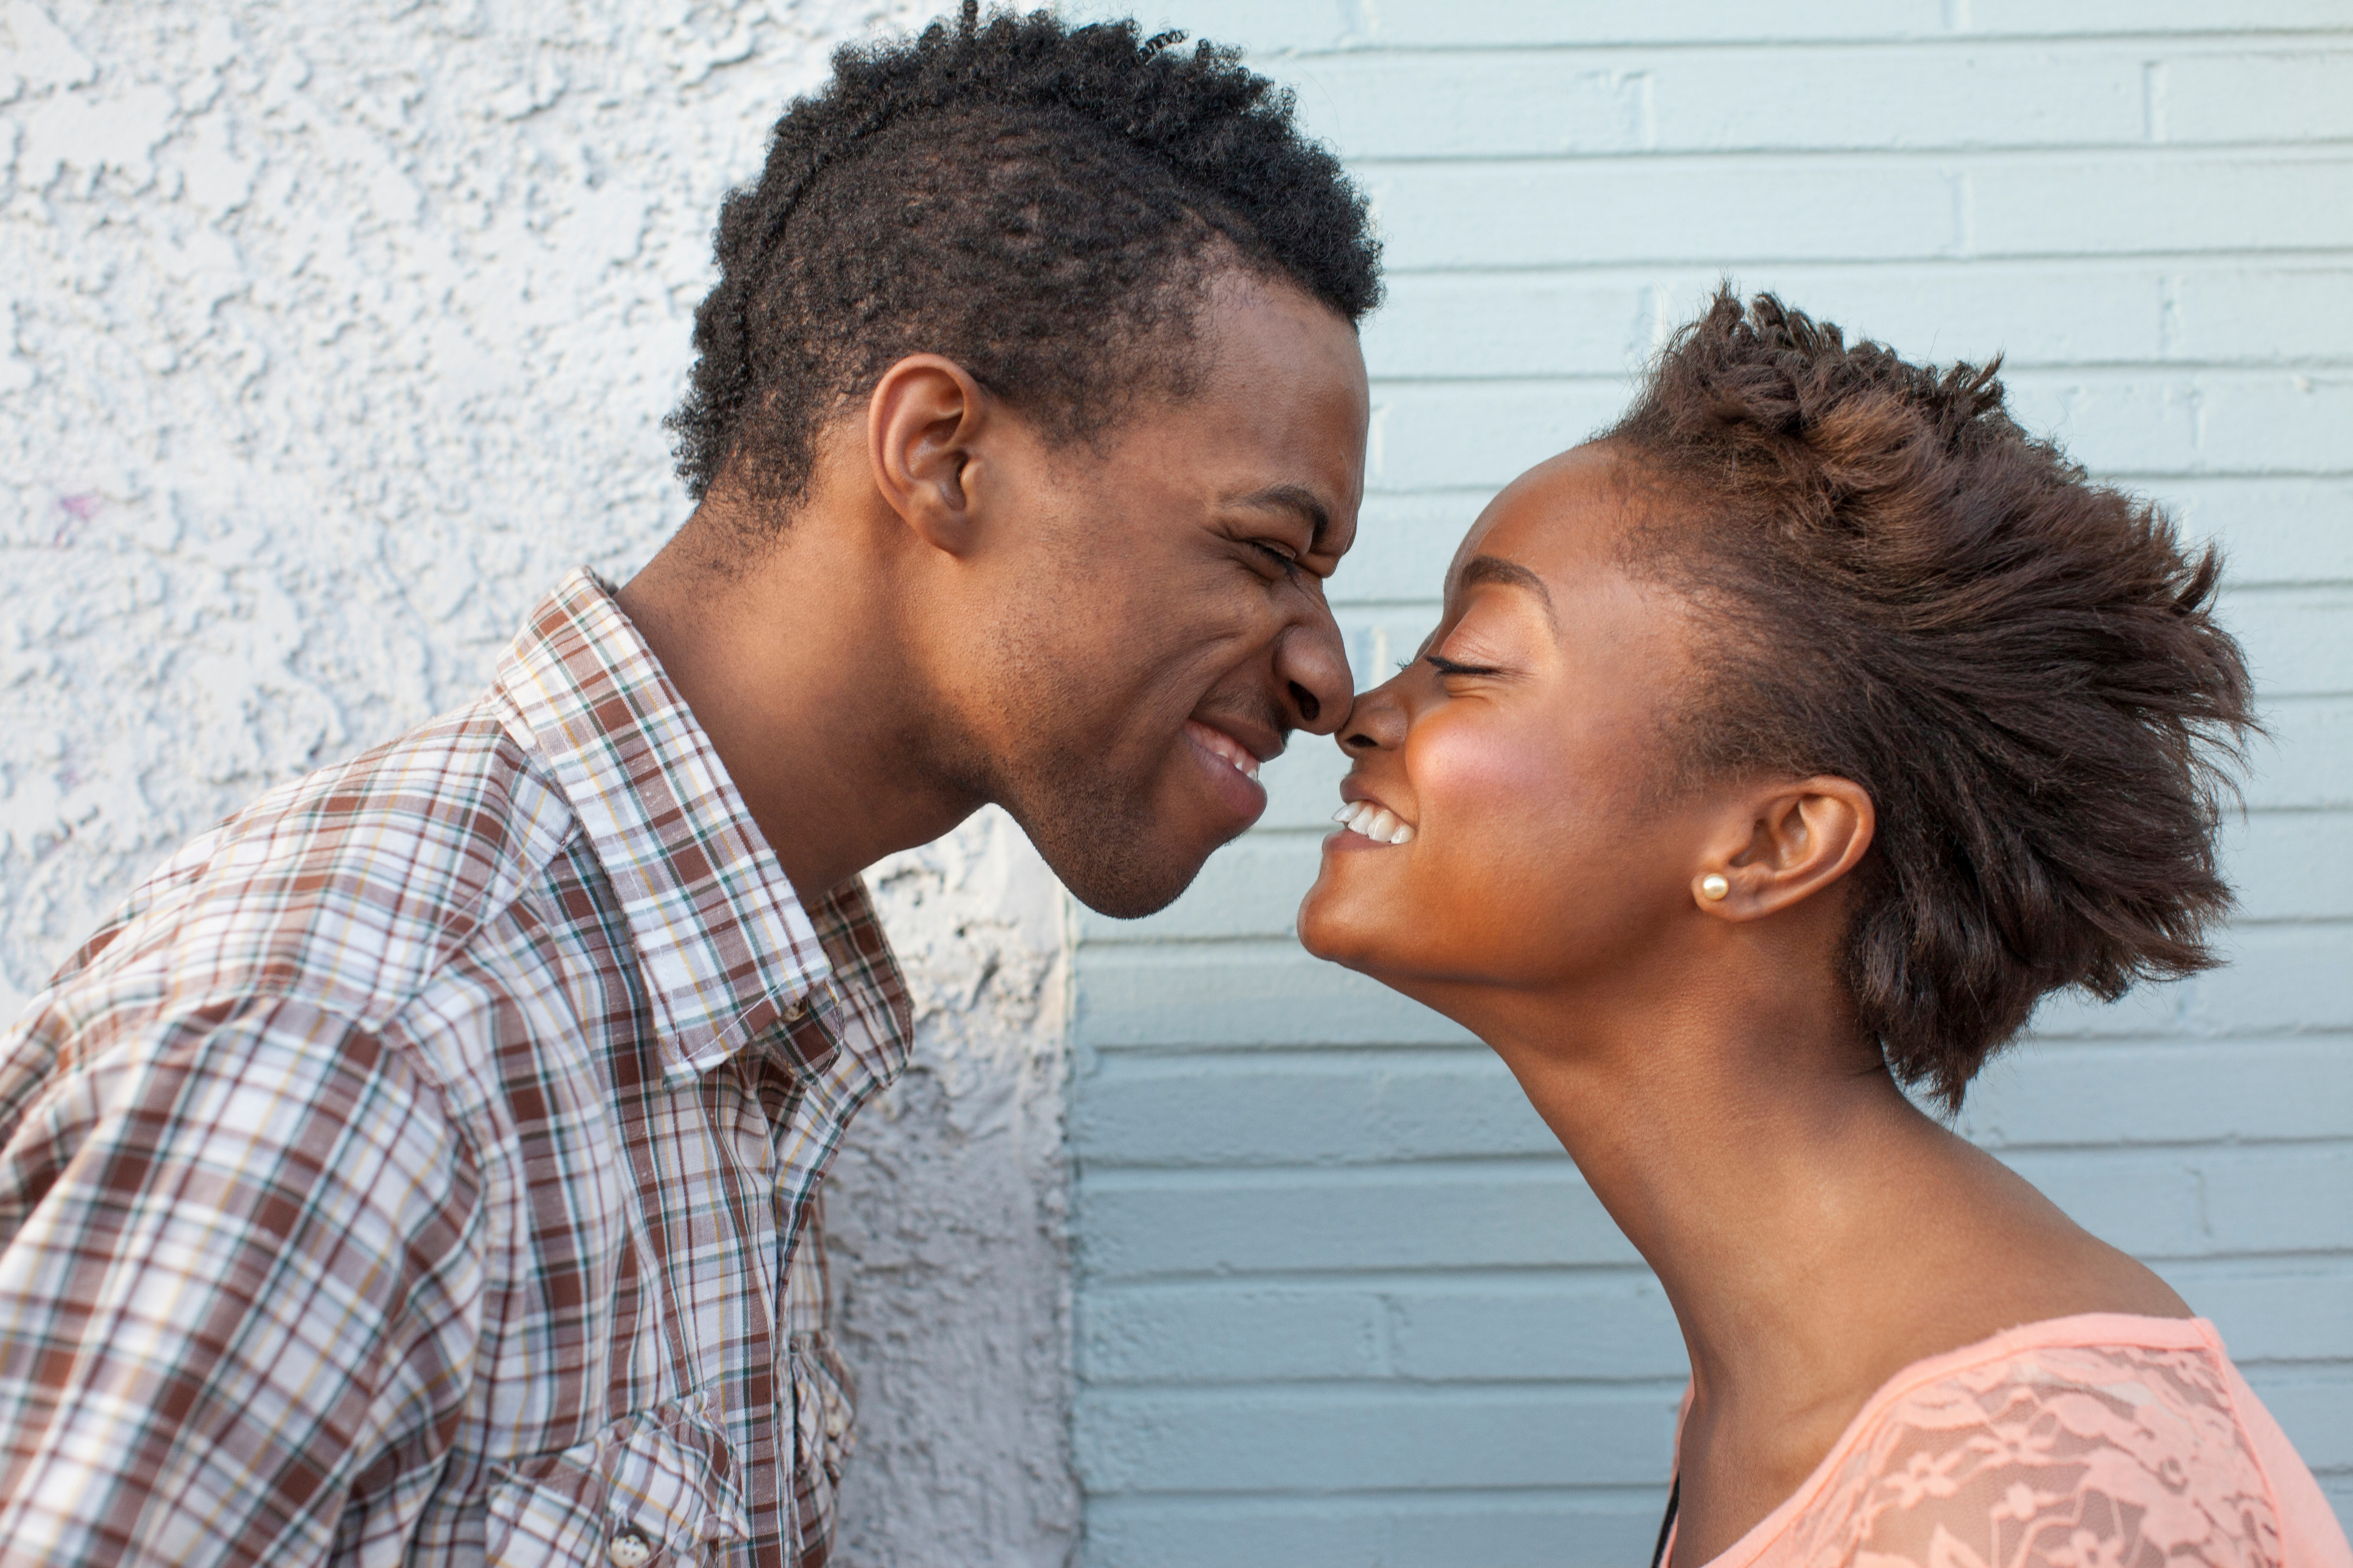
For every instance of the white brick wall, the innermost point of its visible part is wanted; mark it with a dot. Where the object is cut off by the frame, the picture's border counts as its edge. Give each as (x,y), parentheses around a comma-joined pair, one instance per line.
(1341,1301)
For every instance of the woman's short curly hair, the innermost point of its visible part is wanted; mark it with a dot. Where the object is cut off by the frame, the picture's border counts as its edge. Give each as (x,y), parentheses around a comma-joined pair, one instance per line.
(1041,203)
(2021,666)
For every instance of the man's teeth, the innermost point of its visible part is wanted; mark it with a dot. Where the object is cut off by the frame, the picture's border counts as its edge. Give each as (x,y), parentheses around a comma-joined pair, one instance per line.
(1237,755)
(1374,821)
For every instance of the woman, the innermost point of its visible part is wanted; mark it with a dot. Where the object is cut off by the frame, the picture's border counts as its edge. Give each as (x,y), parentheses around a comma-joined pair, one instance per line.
(1781,747)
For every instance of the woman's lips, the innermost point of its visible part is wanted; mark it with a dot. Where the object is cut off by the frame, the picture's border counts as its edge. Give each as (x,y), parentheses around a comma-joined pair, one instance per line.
(1374,821)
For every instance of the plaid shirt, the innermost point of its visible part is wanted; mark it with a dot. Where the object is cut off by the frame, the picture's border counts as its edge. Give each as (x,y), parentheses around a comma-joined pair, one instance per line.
(422,1166)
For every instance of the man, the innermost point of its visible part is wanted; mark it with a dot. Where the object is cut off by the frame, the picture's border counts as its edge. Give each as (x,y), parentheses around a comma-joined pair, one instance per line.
(422,1165)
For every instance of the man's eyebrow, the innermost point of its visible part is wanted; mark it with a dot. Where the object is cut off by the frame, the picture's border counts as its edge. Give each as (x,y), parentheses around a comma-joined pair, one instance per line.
(1510,573)
(1297,499)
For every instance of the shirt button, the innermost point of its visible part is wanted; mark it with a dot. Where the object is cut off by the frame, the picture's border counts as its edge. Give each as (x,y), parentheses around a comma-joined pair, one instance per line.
(796,1009)
(629,1548)
(835,1422)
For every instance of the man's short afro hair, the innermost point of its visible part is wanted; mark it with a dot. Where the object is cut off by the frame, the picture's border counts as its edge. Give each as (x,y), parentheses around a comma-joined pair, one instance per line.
(1042,203)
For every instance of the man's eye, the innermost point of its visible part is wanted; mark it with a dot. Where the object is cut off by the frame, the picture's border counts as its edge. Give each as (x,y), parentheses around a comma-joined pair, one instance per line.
(1290,561)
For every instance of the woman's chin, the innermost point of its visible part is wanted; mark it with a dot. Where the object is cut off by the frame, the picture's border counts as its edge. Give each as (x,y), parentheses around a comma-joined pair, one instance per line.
(1334,928)
(1379,944)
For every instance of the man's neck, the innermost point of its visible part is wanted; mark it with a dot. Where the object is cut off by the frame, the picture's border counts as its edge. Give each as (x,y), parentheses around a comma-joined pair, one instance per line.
(785,652)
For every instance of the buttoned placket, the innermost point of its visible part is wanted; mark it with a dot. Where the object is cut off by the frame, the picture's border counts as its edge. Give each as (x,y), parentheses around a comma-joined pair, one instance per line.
(806,1041)
(813,1027)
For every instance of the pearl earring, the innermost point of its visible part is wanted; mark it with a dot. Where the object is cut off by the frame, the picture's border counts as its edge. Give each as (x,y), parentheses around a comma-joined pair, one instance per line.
(1713,885)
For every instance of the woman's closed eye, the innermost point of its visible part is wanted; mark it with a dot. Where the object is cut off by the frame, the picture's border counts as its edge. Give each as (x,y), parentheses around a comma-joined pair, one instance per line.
(1445,666)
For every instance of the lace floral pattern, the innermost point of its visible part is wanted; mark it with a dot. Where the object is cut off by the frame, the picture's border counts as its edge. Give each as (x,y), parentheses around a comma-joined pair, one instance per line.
(2077,1457)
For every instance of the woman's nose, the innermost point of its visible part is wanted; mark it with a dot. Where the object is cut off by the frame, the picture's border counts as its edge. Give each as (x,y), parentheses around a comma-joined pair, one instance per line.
(1376,721)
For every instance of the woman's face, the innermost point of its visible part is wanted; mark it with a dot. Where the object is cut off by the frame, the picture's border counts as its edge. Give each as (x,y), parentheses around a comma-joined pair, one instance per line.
(1523,749)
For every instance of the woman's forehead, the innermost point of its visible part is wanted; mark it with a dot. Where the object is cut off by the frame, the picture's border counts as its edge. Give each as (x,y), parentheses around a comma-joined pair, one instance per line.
(1553,520)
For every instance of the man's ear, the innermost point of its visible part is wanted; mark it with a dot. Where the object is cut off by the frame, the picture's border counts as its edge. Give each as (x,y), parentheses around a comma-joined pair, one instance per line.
(1783,844)
(924,425)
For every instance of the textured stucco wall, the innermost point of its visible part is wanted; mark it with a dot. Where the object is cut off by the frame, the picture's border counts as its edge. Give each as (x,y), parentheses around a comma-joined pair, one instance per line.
(337,331)
(946,1215)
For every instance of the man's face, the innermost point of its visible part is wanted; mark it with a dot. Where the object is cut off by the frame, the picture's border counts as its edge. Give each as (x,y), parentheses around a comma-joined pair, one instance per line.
(1155,626)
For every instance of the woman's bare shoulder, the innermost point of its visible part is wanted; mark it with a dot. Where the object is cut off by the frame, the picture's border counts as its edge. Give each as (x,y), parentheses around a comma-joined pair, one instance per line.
(2005,1256)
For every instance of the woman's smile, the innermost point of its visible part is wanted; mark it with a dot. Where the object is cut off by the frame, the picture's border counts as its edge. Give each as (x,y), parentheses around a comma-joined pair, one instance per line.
(1367,824)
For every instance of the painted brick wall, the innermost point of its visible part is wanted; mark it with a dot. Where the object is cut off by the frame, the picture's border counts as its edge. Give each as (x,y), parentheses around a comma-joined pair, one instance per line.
(1340,1299)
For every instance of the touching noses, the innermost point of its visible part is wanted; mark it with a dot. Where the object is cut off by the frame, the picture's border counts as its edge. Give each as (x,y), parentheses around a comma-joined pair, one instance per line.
(1377,723)
(1312,665)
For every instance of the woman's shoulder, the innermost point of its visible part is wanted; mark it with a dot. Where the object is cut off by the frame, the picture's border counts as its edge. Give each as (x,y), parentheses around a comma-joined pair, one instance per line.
(2104,1437)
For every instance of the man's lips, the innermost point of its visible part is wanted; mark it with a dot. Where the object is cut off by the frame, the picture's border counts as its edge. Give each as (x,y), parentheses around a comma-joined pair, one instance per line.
(1231,766)
(1239,757)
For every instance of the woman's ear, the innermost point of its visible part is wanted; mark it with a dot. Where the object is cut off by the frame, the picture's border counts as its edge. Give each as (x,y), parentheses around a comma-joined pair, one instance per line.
(1787,843)
(924,425)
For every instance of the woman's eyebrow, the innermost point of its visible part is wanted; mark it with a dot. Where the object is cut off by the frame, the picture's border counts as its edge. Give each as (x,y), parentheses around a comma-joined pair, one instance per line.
(1495,569)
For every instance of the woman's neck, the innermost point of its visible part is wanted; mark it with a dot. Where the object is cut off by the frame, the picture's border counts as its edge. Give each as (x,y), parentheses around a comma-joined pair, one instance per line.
(1760,1162)
(1814,1231)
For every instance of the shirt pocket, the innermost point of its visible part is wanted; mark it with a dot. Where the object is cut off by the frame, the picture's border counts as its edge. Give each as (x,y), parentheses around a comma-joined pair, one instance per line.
(655,1489)
(822,1430)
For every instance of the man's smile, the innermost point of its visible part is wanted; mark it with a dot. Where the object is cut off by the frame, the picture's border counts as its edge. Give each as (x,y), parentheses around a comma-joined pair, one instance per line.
(1232,767)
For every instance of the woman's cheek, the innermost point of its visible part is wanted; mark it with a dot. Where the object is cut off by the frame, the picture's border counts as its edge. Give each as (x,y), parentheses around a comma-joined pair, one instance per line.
(1489,805)
(1481,789)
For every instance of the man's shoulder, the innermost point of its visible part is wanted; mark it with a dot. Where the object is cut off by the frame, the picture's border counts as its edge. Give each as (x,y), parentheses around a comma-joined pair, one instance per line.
(347,889)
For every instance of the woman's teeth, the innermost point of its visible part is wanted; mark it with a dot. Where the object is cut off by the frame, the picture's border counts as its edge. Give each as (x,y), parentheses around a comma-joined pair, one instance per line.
(1374,821)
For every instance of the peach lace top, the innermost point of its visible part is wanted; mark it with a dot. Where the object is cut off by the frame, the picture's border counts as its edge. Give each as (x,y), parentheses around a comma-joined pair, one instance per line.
(2099,1441)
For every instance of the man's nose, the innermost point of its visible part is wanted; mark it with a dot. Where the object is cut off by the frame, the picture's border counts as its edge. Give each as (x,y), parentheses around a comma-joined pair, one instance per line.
(1312,662)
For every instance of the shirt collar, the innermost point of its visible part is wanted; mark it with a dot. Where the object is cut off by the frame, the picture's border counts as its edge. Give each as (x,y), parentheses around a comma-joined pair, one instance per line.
(726,947)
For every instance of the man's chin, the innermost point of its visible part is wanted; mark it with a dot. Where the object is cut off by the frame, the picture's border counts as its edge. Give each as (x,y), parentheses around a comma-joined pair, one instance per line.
(1127,887)
(1123,874)
(1122,850)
